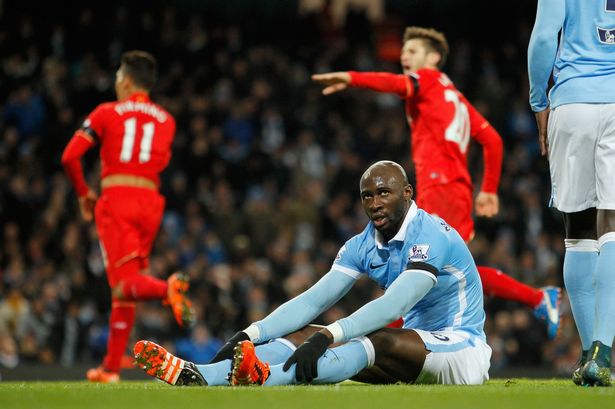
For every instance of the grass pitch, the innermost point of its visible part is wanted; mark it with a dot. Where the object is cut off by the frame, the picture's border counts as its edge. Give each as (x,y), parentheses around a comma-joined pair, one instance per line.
(497,394)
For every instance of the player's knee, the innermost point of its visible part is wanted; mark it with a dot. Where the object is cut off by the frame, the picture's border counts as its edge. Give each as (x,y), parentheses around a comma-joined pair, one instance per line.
(383,340)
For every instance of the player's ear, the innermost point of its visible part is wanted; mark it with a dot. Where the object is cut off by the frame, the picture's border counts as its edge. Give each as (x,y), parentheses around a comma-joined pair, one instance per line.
(434,58)
(128,81)
(408,192)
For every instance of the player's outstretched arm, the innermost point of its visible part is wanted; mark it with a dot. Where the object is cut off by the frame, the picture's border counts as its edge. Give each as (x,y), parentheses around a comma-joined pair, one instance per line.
(398,84)
(294,314)
(334,81)
(407,289)
(400,297)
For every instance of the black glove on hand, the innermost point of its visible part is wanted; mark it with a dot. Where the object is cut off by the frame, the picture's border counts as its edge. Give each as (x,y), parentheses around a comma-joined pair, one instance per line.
(306,357)
(226,352)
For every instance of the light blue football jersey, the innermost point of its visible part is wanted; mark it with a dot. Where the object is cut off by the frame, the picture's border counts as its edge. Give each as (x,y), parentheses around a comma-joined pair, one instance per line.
(583,66)
(423,242)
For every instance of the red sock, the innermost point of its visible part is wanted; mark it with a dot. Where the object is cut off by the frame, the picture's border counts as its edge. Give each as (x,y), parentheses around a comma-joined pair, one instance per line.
(120,325)
(498,284)
(398,323)
(139,287)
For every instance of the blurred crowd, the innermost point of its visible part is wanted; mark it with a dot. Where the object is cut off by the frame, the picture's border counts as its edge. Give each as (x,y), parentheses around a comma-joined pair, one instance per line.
(262,189)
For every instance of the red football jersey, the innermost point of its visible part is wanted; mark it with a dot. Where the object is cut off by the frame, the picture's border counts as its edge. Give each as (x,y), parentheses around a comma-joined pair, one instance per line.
(135,136)
(442,121)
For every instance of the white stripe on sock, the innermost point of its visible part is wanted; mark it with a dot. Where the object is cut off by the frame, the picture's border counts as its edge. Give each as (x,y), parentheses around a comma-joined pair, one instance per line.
(582,245)
(253,332)
(605,238)
(337,331)
(369,348)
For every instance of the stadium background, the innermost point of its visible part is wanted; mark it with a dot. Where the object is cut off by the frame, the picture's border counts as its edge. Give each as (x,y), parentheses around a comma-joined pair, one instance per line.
(262,187)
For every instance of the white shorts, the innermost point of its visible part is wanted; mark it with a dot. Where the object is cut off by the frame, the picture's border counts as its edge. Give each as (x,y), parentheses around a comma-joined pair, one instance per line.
(456,358)
(582,156)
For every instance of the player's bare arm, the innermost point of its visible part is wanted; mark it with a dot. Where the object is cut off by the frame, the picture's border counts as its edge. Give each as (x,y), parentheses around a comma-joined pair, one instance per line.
(542,119)
(487,204)
(334,81)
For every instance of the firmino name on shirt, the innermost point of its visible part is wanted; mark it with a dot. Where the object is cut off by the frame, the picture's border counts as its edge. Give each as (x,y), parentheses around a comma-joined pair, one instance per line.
(143,107)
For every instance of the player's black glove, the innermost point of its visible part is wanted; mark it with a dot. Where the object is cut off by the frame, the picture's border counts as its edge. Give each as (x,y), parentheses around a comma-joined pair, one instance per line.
(226,352)
(306,357)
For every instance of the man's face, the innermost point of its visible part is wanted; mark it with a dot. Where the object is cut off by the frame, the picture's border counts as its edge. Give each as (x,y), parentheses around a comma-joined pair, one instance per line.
(414,55)
(385,197)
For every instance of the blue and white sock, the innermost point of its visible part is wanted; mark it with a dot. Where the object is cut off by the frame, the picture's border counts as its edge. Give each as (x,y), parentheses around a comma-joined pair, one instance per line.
(579,274)
(216,374)
(604,327)
(336,365)
(275,352)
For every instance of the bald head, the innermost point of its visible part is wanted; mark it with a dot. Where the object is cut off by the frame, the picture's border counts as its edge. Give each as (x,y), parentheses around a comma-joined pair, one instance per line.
(385,170)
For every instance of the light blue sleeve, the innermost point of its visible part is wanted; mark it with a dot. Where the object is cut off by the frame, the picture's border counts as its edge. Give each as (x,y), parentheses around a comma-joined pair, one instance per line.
(350,257)
(301,310)
(542,49)
(399,298)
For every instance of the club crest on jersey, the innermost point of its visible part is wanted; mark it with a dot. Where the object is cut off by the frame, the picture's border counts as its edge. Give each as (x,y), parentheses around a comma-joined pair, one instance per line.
(418,252)
(606,35)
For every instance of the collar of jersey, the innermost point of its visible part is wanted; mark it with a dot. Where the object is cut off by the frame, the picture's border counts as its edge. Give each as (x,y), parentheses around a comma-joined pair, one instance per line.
(139,96)
(401,234)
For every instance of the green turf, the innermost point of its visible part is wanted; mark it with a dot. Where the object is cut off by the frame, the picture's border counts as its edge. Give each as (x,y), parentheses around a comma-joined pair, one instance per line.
(497,394)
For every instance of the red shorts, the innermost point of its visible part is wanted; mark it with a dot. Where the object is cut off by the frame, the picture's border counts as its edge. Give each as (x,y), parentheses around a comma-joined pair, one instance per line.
(127,221)
(453,203)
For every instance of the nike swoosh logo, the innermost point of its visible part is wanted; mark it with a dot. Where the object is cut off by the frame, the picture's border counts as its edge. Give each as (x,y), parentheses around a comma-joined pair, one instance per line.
(372,265)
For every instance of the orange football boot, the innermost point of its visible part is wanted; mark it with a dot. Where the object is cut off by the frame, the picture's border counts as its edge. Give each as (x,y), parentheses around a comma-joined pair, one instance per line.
(101,375)
(127,362)
(157,362)
(176,298)
(246,368)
